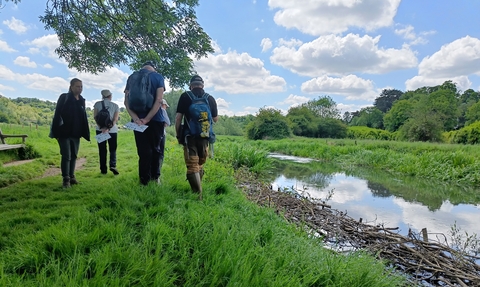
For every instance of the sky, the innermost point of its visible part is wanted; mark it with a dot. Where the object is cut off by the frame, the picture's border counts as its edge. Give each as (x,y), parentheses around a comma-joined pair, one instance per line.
(277,53)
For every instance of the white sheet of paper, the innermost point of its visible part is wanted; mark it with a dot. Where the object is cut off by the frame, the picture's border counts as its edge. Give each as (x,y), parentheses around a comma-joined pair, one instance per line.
(102,137)
(135,127)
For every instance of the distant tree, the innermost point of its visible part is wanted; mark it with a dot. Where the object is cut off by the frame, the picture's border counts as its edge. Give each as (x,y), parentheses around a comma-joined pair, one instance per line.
(268,124)
(370,117)
(331,128)
(444,104)
(473,114)
(466,101)
(227,126)
(398,115)
(347,117)
(302,121)
(97,34)
(324,107)
(424,124)
(386,99)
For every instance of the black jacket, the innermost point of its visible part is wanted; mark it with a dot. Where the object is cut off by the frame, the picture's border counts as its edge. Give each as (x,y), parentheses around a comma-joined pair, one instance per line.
(70,118)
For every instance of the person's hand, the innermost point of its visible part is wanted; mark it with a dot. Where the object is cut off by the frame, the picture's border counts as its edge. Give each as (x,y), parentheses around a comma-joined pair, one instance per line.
(104,130)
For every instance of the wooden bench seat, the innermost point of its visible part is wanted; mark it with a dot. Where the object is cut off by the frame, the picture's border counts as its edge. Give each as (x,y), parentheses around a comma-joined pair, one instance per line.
(10,146)
(5,146)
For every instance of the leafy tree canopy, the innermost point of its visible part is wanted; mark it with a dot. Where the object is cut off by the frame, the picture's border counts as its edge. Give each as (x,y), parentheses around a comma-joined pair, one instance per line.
(97,34)
(324,107)
(268,124)
(386,99)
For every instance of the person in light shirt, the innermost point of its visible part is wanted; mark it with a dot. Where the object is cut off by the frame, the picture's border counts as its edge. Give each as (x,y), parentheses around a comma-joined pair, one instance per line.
(162,142)
(113,110)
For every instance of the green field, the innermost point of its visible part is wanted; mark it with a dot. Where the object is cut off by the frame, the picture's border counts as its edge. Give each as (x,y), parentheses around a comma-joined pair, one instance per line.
(110,231)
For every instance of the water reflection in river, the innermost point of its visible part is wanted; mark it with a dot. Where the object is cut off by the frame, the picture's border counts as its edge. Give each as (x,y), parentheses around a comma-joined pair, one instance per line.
(395,202)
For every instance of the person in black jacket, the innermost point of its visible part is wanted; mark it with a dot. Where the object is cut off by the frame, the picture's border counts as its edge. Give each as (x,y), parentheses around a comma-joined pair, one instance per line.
(68,126)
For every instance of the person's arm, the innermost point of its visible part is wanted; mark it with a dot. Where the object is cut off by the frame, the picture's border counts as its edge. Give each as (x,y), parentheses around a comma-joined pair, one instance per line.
(156,106)
(214,109)
(115,118)
(178,123)
(132,114)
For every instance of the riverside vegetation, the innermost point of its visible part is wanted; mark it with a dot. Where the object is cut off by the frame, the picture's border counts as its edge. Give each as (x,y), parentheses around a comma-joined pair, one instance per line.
(110,231)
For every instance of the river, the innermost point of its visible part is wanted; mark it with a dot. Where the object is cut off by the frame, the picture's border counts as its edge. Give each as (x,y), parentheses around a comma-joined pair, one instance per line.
(382,198)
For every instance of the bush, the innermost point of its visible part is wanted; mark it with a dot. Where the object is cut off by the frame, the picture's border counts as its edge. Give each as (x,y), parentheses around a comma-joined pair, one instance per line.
(362,132)
(467,135)
(268,124)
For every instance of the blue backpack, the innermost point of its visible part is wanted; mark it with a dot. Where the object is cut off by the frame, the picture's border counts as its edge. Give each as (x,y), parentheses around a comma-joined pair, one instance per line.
(200,124)
(139,97)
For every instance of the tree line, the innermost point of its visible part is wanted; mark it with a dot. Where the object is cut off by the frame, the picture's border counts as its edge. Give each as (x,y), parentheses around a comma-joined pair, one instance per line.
(436,114)
(433,114)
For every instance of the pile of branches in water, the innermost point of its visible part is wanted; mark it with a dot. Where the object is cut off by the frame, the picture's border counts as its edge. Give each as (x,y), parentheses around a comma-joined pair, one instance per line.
(428,263)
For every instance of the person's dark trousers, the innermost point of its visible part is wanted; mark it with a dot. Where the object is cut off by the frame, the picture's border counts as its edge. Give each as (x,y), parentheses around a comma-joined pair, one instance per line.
(102,152)
(68,151)
(148,150)
(162,155)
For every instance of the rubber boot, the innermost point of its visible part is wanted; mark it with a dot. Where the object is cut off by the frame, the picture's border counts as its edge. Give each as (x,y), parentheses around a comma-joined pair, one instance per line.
(195,183)
(66,182)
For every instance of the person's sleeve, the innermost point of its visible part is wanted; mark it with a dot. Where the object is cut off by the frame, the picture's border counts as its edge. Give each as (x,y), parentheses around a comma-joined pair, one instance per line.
(213,106)
(183,104)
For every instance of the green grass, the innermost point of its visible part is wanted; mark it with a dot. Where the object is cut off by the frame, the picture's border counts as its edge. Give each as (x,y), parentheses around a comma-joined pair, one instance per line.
(453,163)
(110,231)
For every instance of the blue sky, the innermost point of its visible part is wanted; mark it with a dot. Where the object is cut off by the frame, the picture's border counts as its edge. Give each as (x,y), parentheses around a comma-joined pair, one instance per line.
(277,53)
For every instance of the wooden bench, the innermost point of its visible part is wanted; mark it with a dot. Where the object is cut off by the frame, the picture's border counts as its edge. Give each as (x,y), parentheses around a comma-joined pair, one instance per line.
(5,146)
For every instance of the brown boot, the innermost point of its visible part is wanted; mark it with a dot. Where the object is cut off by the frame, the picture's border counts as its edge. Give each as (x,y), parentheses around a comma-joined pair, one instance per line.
(195,183)
(66,182)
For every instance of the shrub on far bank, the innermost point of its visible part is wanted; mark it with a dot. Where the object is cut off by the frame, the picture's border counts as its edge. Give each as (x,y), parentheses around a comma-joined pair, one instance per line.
(467,135)
(366,133)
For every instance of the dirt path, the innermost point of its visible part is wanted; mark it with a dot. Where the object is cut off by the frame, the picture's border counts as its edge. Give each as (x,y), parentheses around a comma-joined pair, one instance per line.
(50,171)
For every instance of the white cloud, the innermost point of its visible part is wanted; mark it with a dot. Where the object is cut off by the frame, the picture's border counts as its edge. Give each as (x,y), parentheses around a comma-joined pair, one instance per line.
(111,79)
(266,44)
(336,55)
(6,73)
(33,50)
(35,81)
(408,33)
(24,62)
(290,43)
(48,44)
(5,47)
(351,86)
(320,17)
(454,61)
(294,100)
(48,66)
(16,25)
(5,88)
(463,83)
(237,73)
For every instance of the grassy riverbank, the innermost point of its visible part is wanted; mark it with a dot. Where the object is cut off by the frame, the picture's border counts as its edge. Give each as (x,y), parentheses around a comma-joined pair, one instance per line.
(446,162)
(110,231)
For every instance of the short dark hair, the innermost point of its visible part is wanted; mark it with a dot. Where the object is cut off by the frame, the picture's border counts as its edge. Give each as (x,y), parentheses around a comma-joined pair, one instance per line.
(150,63)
